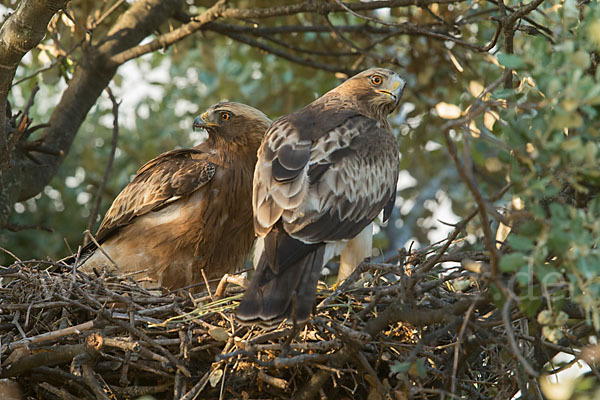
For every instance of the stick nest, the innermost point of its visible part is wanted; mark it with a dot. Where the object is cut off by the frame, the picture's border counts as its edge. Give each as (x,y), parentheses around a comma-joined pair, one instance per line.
(405,329)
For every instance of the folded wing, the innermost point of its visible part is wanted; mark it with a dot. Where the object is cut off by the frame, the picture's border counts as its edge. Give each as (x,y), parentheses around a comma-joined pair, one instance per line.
(158,183)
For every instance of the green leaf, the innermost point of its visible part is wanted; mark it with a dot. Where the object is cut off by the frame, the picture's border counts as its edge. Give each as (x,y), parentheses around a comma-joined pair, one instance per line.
(530,229)
(573,144)
(520,243)
(524,278)
(512,61)
(566,120)
(502,94)
(497,296)
(505,156)
(588,267)
(559,241)
(512,262)
(398,366)
(530,305)
(547,274)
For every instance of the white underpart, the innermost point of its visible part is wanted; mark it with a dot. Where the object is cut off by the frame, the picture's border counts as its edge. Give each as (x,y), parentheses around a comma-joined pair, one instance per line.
(258,250)
(355,251)
(165,216)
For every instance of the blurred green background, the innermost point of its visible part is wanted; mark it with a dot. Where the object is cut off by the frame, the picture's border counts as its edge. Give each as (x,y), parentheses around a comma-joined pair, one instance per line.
(540,133)
(163,92)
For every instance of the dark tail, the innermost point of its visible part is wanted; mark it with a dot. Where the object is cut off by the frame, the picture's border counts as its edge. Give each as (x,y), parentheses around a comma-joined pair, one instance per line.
(285,281)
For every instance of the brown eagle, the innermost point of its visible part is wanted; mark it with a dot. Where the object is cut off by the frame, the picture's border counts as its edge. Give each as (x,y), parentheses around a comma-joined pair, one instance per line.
(323,174)
(189,209)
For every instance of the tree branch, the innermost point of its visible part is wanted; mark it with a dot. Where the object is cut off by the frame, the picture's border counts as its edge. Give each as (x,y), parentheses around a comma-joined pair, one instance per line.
(168,39)
(21,32)
(288,56)
(512,341)
(111,158)
(100,59)
(219,10)
(508,23)
(91,76)
(314,6)
(477,108)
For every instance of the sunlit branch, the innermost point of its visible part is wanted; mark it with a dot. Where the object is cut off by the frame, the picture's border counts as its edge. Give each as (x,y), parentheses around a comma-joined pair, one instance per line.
(321,7)
(174,36)
(288,56)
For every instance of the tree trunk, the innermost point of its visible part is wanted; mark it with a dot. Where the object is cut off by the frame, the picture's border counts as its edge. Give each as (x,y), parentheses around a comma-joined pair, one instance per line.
(25,178)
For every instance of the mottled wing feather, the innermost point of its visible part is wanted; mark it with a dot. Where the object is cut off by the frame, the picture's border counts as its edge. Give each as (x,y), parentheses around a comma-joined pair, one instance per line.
(333,193)
(350,193)
(389,207)
(158,183)
(283,158)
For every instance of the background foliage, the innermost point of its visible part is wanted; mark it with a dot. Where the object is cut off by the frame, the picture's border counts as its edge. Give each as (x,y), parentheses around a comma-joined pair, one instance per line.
(535,128)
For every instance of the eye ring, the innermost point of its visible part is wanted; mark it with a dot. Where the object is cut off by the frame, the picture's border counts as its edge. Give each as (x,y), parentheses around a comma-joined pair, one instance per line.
(376,80)
(225,116)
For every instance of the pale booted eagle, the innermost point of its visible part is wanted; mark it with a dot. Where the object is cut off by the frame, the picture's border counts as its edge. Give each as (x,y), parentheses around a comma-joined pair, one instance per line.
(323,174)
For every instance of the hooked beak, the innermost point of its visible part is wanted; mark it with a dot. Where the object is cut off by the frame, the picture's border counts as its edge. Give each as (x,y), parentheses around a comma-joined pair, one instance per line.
(389,93)
(396,91)
(201,122)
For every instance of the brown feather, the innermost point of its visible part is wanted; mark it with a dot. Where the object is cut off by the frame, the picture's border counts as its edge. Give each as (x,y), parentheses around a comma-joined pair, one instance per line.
(323,174)
(188,209)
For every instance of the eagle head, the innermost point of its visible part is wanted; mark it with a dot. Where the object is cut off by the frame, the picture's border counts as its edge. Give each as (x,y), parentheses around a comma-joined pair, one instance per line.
(231,120)
(377,90)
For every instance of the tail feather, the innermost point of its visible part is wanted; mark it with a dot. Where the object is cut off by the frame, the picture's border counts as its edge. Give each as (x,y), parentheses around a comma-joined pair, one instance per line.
(285,281)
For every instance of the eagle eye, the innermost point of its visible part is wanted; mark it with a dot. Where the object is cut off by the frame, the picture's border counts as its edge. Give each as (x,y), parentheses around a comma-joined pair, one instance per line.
(225,116)
(376,80)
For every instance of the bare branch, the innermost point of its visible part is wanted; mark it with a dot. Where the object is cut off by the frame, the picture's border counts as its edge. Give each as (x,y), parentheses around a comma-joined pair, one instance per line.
(511,338)
(21,32)
(288,56)
(111,157)
(477,108)
(311,6)
(168,39)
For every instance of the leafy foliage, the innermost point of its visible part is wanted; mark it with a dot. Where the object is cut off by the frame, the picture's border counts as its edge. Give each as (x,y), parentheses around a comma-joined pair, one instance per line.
(537,130)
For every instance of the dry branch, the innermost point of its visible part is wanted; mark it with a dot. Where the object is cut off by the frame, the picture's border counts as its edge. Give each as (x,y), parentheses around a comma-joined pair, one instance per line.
(111,158)
(121,340)
(21,32)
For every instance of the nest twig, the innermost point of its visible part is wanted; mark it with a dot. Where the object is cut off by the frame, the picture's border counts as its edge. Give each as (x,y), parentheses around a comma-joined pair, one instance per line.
(390,330)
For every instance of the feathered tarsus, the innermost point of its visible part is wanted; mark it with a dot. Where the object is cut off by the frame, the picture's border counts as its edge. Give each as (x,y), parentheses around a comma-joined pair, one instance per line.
(323,174)
(188,209)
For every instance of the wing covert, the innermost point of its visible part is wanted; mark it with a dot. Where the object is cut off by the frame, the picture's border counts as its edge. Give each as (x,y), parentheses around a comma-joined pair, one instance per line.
(349,175)
(159,182)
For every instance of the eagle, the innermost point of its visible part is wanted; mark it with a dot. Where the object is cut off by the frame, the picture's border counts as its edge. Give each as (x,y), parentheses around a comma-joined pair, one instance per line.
(190,209)
(323,174)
